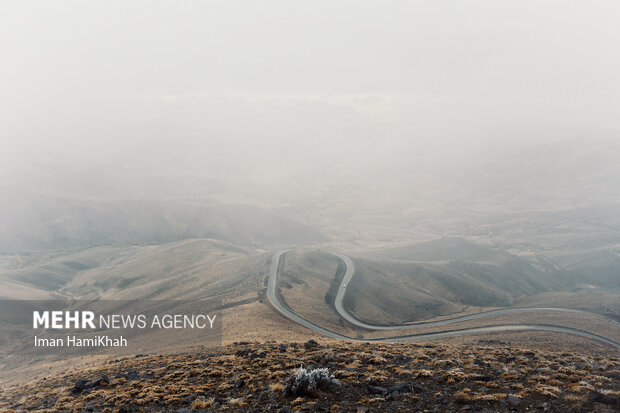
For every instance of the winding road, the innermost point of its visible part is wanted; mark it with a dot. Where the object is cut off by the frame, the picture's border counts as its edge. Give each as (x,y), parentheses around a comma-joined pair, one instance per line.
(350,271)
(274,298)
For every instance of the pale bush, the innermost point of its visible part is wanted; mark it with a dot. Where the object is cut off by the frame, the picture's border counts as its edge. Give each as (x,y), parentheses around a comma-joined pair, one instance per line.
(308,381)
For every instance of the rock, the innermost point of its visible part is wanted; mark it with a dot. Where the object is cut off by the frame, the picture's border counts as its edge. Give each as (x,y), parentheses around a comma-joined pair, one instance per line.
(598,397)
(132,375)
(393,396)
(257,356)
(401,387)
(82,385)
(285,409)
(482,377)
(102,381)
(311,343)
(377,390)
(513,400)
(242,353)
(239,384)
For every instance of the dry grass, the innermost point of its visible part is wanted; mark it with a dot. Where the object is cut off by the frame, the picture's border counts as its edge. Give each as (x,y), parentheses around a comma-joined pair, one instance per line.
(199,404)
(277,387)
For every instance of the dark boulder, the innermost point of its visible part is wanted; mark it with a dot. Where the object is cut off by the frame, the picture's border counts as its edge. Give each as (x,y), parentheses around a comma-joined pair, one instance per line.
(311,343)
(401,388)
(82,385)
(133,375)
(513,400)
(377,390)
(102,381)
(598,397)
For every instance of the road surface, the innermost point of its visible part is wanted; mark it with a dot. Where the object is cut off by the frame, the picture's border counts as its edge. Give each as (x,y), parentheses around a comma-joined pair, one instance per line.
(350,271)
(274,298)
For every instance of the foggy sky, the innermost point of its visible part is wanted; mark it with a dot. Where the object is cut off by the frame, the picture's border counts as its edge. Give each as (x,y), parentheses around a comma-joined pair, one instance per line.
(227,88)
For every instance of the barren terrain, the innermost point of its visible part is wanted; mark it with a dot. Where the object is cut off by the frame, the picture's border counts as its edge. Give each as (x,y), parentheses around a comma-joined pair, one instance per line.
(371,378)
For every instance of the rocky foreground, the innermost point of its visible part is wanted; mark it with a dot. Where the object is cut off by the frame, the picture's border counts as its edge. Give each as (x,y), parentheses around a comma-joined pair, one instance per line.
(352,377)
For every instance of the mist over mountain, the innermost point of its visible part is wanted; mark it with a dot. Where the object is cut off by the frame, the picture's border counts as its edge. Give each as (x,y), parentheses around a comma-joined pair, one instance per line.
(416,201)
(51,223)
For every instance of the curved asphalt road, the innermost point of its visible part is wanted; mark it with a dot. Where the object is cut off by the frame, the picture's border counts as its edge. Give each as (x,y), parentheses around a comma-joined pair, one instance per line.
(274,298)
(350,271)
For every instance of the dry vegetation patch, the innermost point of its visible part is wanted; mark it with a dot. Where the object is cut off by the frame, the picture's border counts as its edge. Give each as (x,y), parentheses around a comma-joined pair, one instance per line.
(347,377)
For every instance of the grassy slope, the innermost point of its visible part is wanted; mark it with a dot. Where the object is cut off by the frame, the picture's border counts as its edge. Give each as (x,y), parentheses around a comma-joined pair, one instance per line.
(251,376)
(188,269)
(437,278)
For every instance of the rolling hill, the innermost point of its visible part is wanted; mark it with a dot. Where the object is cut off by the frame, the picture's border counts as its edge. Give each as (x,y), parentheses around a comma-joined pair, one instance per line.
(35,223)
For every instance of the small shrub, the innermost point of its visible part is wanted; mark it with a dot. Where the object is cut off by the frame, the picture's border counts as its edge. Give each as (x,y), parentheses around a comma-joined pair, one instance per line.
(462,396)
(276,387)
(200,403)
(308,381)
(423,373)
(236,401)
